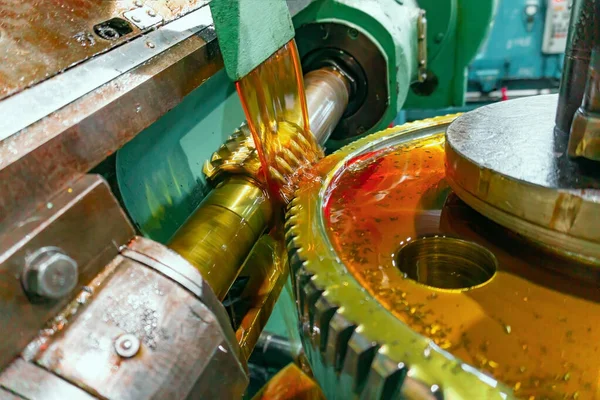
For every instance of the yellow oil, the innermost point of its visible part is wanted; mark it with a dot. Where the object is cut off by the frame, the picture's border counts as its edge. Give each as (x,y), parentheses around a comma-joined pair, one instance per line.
(274,102)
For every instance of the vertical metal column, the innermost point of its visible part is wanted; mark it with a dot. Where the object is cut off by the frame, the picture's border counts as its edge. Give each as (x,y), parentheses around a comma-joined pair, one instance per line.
(582,32)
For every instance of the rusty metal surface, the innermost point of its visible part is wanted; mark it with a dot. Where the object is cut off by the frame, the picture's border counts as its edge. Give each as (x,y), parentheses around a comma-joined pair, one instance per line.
(183,351)
(28,381)
(44,157)
(87,223)
(39,39)
(176,268)
(27,107)
(165,261)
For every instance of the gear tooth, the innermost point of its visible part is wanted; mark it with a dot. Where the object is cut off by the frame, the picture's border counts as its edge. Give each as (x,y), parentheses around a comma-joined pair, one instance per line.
(230,146)
(324,311)
(302,281)
(384,380)
(339,333)
(208,169)
(414,389)
(357,364)
(236,156)
(311,295)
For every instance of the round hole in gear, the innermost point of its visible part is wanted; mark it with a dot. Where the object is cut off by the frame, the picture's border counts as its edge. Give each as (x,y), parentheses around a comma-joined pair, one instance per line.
(446,263)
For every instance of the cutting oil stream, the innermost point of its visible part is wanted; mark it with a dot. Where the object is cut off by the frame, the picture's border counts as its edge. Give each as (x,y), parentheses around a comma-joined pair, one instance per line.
(273,99)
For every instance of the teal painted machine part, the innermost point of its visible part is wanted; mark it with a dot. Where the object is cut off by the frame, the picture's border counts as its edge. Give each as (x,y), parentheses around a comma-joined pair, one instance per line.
(159,173)
(455,31)
(513,57)
(392,26)
(249,32)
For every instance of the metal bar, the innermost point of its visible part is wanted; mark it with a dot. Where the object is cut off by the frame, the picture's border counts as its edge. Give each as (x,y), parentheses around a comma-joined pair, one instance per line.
(58,149)
(87,223)
(582,30)
(327,95)
(29,106)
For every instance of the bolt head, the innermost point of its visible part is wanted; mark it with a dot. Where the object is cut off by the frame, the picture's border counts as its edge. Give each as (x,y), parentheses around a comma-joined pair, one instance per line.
(127,345)
(50,273)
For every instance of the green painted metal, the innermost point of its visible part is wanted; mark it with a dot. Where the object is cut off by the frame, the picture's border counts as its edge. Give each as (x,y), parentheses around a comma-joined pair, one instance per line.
(391,25)
(160,172)
(455,31)
(250,32)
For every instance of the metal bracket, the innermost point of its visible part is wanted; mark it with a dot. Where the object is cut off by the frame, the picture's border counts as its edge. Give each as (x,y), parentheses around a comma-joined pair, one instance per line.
(86,222)
(422,45)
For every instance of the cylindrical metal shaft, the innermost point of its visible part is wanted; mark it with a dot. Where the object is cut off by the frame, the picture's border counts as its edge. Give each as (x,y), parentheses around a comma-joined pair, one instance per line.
(584,139)
(219,235)
(581,38)
(327,95)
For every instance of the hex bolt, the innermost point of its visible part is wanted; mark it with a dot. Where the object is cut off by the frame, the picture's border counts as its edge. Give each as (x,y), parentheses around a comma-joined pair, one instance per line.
(49,273)
(127,345)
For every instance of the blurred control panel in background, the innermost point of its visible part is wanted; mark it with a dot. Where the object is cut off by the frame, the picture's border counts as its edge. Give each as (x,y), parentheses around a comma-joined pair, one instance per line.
(524,51)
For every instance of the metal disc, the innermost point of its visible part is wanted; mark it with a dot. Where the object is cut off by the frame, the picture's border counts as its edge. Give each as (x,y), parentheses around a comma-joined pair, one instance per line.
(508,162)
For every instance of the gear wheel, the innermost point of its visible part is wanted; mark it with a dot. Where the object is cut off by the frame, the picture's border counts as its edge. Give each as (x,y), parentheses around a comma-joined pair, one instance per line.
(357,347)
(237,156)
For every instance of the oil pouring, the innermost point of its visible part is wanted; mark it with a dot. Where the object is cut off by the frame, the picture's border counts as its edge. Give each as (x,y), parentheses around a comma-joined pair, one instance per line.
(270,85)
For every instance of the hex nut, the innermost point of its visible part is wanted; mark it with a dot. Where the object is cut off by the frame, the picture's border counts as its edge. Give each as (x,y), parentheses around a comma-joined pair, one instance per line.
(50,273)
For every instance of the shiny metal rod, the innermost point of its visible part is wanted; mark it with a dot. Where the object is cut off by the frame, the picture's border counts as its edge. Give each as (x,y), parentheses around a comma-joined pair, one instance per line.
(327,96)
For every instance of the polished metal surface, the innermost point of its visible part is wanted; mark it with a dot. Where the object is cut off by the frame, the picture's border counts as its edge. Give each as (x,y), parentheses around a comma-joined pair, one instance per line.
(44,157)
(422,45)
(327,96)
(267,271)
(234,215)
(581,38)
(87,223)
(219,235)
(507,161)
(49,273)
(39,39)
(370,99)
